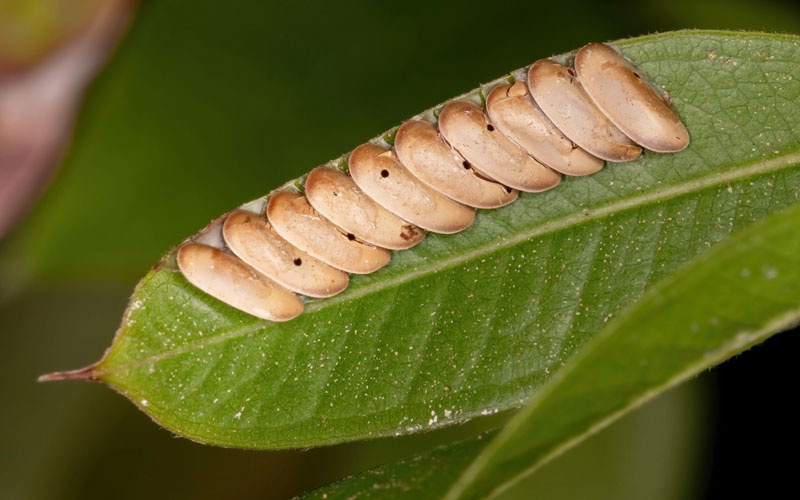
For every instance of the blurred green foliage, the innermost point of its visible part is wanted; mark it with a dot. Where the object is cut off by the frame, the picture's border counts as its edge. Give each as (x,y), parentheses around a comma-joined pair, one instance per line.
(207,105)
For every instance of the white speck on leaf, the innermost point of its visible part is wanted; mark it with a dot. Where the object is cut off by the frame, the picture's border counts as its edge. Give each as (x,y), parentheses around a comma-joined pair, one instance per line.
(769,273)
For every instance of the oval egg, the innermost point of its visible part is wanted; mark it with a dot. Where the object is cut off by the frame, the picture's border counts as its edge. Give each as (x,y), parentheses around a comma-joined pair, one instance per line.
(512,110)
(336,196)
(421,149)
(378,172)
(298,223)
(252,239)
(230,280)
(629,100)
(559,94)
(464,125)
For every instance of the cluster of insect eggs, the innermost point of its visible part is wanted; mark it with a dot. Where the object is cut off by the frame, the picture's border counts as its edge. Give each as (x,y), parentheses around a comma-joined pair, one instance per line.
(563,120)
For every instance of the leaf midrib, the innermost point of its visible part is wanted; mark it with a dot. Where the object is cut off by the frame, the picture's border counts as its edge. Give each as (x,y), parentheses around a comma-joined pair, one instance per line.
(756,167)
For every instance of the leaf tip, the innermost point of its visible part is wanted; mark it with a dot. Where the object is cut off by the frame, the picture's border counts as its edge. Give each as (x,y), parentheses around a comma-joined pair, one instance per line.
(88,374)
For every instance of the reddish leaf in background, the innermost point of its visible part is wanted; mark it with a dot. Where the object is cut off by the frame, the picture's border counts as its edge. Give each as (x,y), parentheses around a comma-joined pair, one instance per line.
(39,103)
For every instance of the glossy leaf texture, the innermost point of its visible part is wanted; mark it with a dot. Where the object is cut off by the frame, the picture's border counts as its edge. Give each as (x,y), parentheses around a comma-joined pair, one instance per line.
(729,298)
(475,323)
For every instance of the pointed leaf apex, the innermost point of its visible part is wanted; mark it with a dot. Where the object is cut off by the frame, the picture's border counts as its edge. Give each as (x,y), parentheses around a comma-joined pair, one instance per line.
(88,374)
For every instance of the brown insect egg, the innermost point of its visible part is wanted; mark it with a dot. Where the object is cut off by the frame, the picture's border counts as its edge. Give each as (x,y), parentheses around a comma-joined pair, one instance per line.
(298,223)
(421,149)
(379,174)
(513,112)
(230,280)
(464,125)
(556,90)
(617,87)
(253,240)
(333,194)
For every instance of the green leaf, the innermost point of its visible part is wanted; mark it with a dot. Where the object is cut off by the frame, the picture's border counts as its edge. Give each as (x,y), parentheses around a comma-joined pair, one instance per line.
(689,322)
(729,299)
(475,323)
(424,476)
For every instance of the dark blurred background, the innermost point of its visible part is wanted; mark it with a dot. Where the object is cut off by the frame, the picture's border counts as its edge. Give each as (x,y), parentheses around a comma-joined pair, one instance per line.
(208,104)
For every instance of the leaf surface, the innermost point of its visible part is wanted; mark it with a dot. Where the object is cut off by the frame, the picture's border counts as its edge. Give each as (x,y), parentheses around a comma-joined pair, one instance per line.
(731,297)
(475,323)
